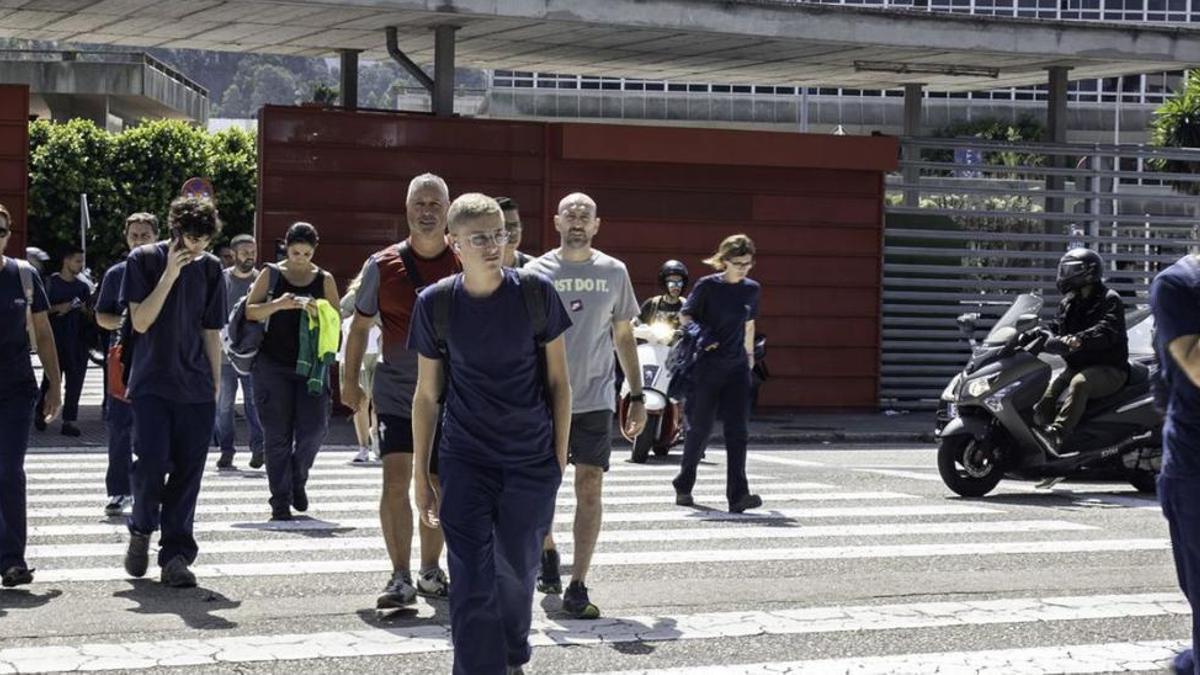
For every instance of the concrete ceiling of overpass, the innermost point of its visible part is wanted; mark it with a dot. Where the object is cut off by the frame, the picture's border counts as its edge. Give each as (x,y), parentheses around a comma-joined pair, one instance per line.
(738,42)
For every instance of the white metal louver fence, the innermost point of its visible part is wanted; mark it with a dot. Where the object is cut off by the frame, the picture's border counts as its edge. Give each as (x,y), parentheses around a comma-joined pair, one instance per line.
(971,224)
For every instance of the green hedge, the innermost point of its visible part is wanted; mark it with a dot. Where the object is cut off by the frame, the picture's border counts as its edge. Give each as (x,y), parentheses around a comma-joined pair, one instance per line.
(139,169)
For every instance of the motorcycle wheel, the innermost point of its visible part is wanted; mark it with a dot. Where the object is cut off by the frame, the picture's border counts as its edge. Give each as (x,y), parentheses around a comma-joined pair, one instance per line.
(645,441)
(1143,480)
(966,468)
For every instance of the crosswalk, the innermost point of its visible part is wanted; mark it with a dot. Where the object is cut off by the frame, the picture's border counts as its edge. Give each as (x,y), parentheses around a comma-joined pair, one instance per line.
(812,518)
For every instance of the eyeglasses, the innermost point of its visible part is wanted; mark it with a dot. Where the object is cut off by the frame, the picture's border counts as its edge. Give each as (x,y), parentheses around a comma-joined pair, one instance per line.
(484,240)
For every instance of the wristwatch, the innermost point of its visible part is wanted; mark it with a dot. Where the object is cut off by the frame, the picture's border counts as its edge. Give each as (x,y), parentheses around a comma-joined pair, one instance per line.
(637,398)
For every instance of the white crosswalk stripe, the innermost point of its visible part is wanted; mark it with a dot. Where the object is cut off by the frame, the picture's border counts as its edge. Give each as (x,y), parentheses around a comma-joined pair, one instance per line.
(807,519)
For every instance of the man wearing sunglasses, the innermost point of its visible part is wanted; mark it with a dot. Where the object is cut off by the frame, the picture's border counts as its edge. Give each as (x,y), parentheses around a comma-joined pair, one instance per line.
(596,290)
(391,280)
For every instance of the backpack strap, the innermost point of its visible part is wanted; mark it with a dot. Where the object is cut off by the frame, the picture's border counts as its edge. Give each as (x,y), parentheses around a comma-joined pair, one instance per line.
(535,303)
(442,296)
(25,270)
(410,264)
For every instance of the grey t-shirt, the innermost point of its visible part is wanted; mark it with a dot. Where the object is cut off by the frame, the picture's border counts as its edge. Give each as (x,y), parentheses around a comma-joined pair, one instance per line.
(236,288)
(596,293)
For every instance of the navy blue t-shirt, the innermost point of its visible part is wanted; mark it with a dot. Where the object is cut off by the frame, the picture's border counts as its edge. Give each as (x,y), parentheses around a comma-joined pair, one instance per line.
(16,370)
(496,411)
(1175,298)
(724,308)
(67,326)
(108,300)
(169,359)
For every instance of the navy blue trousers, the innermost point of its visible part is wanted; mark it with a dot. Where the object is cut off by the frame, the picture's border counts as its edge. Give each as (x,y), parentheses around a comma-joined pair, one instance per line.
(73,360)
(16,420)
(172,444)
(723,390)
(494,520)
(1180,499)
(294,425)
(119,420)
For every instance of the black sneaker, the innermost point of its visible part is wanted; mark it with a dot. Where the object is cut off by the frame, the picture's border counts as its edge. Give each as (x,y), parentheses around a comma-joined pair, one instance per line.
(549,581)
(684,499)
(299,499)
(16,576)
(137,556)
(225,463)
(71,430)
(1051,437)
(256,459)
(278,515)
(399,592)
(177,575)
(745,504)
(576,603)
(116,505)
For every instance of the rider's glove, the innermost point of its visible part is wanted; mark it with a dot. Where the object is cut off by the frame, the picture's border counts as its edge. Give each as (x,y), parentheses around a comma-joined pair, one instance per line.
(1056,345)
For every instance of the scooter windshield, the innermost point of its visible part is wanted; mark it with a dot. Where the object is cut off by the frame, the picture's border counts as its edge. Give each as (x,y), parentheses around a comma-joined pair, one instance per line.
(1006,328)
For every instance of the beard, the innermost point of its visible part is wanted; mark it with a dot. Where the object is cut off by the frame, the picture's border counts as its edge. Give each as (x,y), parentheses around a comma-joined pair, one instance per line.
(245,266)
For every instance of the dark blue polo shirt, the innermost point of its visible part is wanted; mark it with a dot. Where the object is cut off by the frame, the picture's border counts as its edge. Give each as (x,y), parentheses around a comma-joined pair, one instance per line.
(724,309)
(16,369)
(1175,299)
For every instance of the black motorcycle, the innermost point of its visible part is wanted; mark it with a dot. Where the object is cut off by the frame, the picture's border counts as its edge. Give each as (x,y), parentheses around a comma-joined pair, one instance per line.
(985,418)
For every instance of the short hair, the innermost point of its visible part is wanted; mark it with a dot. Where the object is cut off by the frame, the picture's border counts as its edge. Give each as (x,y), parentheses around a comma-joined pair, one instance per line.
(507,203)
(141,217)
(242,239)
(6,216)
(427,180)
(576,198)
(301,233)
(194,216)
(70,250)
(470,206)
(731,247)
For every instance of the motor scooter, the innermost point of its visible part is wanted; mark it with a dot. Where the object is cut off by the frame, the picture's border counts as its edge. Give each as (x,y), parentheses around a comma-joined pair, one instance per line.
(664,415)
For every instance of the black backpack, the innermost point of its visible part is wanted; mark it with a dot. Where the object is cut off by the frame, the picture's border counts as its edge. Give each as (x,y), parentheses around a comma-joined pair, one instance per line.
(441,300)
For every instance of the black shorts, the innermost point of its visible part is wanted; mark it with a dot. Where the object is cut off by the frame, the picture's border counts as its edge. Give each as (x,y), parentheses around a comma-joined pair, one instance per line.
(395,437)
(591,438)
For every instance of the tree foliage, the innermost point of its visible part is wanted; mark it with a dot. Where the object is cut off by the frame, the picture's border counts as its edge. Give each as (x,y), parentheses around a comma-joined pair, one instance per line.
(1176,124)
(139,169)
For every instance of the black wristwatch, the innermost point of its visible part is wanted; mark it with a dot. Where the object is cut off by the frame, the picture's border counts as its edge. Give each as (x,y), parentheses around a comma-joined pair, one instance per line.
(637,398)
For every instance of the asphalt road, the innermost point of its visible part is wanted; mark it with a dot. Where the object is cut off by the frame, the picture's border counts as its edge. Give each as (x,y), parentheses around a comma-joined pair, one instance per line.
(860,561)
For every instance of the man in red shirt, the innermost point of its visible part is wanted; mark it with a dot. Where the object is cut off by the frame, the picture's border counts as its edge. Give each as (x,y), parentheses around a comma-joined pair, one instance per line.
(391,280)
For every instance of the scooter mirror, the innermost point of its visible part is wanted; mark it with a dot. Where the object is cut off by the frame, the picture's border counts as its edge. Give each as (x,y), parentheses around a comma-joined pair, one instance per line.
(1026,322)
(966,324)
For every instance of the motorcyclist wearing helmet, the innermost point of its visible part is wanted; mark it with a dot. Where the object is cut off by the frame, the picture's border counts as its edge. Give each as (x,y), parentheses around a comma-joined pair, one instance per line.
(1090,335)
(673,278)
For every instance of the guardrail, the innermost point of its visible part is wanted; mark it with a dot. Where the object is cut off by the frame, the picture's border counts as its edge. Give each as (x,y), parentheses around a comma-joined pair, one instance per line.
(116,57)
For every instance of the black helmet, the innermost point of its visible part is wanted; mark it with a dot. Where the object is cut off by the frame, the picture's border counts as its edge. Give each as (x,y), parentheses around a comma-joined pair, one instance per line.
(672,268)
(1079,268)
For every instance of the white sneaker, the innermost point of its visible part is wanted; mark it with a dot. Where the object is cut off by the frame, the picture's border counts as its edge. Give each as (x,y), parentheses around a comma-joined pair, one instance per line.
(362,457)
(433,584)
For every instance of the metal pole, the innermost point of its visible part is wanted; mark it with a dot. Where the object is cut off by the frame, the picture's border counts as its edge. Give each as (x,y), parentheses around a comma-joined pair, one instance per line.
(913,98)
(443,70)
(1056,132)
(349,77)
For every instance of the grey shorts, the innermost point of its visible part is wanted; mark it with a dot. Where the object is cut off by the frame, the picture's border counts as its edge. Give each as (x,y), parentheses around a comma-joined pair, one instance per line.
(591,438)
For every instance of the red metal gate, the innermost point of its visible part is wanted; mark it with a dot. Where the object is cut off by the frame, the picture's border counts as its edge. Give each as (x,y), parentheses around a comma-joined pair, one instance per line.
(14,161)
(813,204)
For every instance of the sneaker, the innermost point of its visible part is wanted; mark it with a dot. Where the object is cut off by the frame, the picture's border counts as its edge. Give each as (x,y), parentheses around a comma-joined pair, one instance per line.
(116,505)
(177,575)
(299,499)
(281,515)
(433,584)
(225,463)
(576,603)
(399,592)
(745,504)
(256,459)
(1050,437)
(549,581)
(684,499)
(16,576)
(362,457)
(137,556)
(71,430)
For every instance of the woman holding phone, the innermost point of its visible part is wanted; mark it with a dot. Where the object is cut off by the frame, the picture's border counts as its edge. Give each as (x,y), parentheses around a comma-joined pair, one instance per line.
(294,420)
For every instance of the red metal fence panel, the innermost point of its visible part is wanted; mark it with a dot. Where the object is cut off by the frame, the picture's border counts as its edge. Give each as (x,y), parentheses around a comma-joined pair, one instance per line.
(14,162)
(813,204)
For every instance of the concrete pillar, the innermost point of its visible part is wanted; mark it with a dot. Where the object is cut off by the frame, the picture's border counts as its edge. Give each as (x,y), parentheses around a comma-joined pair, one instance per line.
(1056,132)
(914,98)
(349,84)
(443,70)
